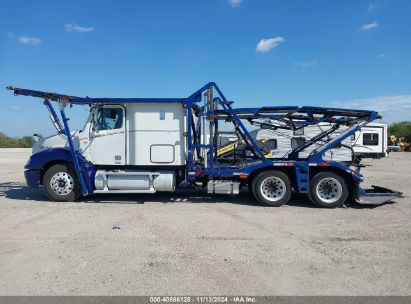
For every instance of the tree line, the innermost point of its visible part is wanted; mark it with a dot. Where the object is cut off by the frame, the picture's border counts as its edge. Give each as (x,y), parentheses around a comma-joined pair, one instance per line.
(15,142)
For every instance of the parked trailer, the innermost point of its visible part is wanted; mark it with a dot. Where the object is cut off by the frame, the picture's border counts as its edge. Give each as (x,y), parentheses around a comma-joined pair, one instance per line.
(145,145)
(368,142)
(371,141)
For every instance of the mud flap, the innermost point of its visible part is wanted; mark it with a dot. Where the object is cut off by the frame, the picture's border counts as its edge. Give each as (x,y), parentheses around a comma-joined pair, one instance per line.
(377,195)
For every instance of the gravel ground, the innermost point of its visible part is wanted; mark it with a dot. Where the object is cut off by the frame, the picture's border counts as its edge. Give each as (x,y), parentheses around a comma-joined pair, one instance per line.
(194,244)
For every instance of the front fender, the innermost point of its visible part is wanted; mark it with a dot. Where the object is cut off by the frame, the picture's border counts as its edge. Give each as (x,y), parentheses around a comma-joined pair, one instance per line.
(42,160)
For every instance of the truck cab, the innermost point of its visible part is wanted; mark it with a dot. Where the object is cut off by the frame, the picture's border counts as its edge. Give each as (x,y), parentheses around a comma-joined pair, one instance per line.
(128,135)
(130,146)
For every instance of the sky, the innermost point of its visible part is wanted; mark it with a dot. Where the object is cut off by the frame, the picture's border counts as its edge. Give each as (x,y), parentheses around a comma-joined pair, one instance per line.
(345,53)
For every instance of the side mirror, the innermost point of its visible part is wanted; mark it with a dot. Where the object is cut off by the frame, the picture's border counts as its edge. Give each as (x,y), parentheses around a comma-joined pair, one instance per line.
(95,123)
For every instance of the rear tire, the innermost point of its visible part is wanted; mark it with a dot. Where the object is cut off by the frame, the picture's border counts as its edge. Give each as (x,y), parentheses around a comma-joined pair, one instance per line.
(272,188)
(60,183)
(328,190)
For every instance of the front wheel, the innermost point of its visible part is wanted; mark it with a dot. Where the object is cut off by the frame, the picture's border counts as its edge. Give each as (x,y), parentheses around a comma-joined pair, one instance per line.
(60,183)
(328,190)
(272,188)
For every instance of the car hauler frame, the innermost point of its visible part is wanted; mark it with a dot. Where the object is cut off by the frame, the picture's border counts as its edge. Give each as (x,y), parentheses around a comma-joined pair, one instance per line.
(272,180)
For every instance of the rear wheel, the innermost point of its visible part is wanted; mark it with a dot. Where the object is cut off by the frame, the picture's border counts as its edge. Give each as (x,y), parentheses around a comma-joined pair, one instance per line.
(60,183)
(328,190)
(272,188)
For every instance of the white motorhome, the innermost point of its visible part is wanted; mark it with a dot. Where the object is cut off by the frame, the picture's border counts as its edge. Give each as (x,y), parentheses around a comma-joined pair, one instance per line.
(371,141)
(287,140)
(279,143)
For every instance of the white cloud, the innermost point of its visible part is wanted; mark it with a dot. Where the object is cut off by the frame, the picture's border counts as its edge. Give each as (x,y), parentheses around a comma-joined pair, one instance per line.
(306,64)
(235,3)
(15,108)
(382,55)
(29,40)
(369,26)
(72,27)
(24,39)
(267,44)
(392,108)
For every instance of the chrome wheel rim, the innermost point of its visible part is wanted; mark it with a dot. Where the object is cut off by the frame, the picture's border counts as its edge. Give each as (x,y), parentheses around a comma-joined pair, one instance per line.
(62,183)
(329,190)
(273,188)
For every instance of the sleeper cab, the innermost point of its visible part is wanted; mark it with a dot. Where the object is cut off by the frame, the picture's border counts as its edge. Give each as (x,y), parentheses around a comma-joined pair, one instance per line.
(155,134)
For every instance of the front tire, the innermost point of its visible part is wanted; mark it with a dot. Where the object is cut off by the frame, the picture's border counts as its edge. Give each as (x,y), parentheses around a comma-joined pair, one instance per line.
(328,190)
(272,188)
(60,183)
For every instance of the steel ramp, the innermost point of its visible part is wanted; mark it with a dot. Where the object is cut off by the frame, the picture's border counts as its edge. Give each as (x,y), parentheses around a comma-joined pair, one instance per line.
(377,195)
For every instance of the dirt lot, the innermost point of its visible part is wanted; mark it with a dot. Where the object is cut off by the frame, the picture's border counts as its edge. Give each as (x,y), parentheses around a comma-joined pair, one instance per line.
(194,244)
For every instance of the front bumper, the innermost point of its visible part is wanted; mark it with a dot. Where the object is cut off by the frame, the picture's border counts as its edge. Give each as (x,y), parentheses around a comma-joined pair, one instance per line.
(32,178)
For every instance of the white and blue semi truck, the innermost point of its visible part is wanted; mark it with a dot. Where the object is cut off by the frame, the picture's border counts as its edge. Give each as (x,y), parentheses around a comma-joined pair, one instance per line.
(145,145)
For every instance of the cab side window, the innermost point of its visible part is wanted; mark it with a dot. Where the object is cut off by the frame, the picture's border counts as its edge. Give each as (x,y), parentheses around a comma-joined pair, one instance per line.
(109,118)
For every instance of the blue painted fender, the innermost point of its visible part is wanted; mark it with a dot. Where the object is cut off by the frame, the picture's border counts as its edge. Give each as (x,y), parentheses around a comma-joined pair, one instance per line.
(41,160)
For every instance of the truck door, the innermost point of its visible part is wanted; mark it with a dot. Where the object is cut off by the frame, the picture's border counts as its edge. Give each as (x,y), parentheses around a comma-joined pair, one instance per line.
(108,138)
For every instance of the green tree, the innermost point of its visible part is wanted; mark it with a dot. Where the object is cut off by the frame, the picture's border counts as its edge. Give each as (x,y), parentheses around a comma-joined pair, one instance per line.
(5,141)
(9,142)
(401,129)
